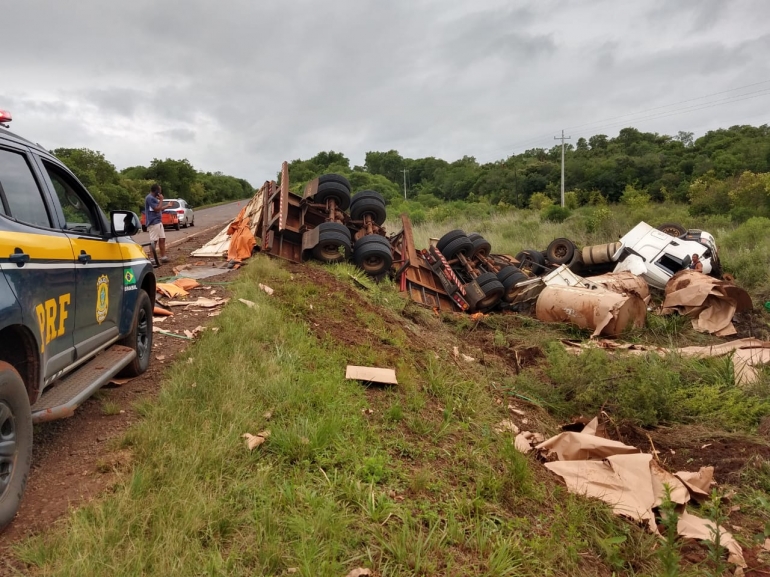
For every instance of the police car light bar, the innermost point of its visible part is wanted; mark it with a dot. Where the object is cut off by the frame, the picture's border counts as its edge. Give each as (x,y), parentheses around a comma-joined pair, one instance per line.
(5,116)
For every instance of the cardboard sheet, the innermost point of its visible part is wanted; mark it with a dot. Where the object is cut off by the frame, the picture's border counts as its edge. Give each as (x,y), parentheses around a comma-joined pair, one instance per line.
(606,312)
(624,282)
(694,527)
(371,375)
(630,482)
(710,302)
(571,446)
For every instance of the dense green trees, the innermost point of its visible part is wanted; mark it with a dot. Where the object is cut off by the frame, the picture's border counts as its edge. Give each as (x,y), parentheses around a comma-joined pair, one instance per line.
(126,189)
(659,166)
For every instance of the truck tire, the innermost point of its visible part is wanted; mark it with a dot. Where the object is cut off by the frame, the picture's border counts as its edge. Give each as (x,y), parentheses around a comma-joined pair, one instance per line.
(461,244)
(449,237)
(531,255)
(371,202)
(481,246)
(511,276)
(673,229)
(332,189)
(373,254)
(560,251)
(338,178)
(493,291)
(140,337)
(332,237)
(15,441)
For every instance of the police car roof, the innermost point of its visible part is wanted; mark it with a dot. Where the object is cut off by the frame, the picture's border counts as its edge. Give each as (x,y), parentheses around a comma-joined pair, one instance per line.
(6,134)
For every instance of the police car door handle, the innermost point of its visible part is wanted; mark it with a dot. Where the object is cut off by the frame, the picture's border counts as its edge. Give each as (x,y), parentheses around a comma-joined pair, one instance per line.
(19,257)
(84,258)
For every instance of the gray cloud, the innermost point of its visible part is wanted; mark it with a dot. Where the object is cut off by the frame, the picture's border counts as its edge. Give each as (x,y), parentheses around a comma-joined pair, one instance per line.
(240,86)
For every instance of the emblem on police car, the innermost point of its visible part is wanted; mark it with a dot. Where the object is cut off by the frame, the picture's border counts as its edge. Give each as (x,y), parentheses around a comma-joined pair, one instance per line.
(102,298)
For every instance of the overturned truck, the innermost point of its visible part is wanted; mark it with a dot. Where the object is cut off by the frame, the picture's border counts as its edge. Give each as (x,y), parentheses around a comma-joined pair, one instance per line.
(457,272)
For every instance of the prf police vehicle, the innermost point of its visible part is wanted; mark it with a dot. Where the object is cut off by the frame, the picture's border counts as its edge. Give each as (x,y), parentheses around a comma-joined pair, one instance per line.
(76,301)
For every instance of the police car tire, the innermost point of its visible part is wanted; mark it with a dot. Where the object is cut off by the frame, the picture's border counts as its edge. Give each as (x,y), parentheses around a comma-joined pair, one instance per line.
(13,396)
(141,361)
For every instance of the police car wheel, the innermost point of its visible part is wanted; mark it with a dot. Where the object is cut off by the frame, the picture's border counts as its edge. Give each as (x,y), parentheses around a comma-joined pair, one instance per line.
(140,337)
(15,441)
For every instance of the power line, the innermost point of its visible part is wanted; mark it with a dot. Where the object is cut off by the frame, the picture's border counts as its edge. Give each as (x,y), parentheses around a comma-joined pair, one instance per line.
(669,105)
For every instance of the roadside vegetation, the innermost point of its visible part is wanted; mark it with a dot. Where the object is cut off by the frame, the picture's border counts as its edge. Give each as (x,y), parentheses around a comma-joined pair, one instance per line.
(405,480)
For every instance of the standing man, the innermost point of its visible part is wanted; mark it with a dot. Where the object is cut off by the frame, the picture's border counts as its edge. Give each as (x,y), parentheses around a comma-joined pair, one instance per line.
(153,207)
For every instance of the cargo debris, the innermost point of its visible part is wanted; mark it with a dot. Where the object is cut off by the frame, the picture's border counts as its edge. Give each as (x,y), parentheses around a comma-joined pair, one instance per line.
(371,375)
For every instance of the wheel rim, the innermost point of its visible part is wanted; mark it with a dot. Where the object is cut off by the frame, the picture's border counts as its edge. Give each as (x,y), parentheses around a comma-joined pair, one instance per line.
(142,334)
(488,300)
(671,231)
(7,446)
(330,250)
(560,250)
(373,264)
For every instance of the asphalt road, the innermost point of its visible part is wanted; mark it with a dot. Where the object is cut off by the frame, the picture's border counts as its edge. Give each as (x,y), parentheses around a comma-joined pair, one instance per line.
(208,217)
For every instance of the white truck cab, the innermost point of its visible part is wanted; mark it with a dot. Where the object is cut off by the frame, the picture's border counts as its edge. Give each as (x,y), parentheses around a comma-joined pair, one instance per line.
(657,256)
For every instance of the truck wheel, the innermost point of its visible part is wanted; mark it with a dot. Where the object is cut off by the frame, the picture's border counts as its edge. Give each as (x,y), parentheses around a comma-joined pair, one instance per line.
(140,337)
(493,291)
(531,255)
(332,189)
(15,441)
(368,201)
(672,229)
(462,244)
(373,254)
(338,178)
(511,277)
(333,243)
(560,251)
(449,237)
(481,247)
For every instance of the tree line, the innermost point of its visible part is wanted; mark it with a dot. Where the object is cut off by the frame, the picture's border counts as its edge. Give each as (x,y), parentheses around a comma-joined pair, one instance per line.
(126,189)
(599,169)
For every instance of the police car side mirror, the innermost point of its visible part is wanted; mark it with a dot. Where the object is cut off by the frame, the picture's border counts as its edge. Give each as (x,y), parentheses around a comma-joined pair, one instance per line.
(124,223)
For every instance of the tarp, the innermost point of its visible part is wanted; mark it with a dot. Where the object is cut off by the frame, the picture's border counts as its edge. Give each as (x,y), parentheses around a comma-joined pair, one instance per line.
(607,313)
(220,244)
(710,302)
(242,241)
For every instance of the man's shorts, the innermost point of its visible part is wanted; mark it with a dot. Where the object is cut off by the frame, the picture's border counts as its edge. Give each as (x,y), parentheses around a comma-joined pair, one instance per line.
(156,232)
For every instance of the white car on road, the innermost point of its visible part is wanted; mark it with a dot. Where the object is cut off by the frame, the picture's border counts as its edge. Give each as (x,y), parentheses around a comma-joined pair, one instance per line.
(183,209)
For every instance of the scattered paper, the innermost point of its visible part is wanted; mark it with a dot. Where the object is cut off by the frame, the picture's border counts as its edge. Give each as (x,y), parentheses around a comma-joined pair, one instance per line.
(120,382)
(360,572)
(698,483)
(526,440)
(571,446)
(186,283)
(694,527)
(170,290)
(250,304)
(266,288)
(254,441)
(161,358)
(505,426)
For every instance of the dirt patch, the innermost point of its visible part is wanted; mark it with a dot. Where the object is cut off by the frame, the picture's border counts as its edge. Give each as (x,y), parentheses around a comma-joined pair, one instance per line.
(687,448)
(75,459)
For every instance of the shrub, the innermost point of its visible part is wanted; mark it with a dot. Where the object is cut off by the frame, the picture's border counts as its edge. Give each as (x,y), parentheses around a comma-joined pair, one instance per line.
(555,213)
(571,199)
(539,201)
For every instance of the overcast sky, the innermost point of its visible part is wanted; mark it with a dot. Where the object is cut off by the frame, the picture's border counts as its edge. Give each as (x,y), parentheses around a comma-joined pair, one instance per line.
(240,85)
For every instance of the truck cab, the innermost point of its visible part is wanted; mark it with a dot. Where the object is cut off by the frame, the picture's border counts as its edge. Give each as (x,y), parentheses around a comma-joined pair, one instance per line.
(664,255)
(76,301)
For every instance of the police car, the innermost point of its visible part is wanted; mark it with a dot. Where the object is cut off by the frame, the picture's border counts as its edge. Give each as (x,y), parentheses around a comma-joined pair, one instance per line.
(76,301)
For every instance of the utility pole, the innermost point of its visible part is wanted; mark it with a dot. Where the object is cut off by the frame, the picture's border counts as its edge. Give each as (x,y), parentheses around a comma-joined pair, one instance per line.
(562,138)
(405,171)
